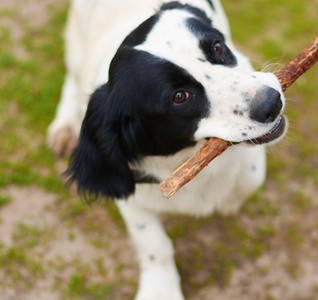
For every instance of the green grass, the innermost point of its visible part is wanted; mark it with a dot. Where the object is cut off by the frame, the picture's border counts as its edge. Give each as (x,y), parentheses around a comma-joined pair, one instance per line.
(22,270)
(28,237)
(30,90)
(79,286)
(4,199)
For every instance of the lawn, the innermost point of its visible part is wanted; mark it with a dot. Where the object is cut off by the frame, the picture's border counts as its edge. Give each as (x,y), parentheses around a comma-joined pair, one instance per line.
(55,246)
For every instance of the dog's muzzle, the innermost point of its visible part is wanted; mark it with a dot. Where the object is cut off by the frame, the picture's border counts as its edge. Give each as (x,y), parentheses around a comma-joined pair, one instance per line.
(266,108)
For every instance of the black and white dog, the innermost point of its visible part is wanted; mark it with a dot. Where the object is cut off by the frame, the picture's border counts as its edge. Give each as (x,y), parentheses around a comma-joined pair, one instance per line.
(163,77)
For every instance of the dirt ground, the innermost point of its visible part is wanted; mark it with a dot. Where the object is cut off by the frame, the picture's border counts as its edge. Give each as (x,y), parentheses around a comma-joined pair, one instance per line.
(56,247)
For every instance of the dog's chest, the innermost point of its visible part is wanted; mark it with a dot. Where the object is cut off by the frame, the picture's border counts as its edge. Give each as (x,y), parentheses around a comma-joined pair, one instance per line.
(222,186)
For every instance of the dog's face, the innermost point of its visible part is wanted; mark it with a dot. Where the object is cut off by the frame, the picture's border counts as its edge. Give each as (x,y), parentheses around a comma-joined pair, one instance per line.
(173,81)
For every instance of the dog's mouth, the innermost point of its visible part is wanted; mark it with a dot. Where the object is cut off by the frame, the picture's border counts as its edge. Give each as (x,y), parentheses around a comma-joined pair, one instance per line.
(276,132)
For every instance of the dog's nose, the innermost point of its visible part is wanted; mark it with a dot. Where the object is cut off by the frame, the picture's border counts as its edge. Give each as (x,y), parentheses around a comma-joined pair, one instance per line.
(266,106)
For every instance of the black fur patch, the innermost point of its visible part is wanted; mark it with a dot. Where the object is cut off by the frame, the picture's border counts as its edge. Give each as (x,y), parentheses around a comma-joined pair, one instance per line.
(146,85)
(139,35)
(211,4)
(199,13)
(98,164)
(131,117)
(208,37)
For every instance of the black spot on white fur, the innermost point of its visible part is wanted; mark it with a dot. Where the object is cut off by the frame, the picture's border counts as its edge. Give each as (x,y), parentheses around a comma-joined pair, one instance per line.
(238,112)
(141,226)
(152,257)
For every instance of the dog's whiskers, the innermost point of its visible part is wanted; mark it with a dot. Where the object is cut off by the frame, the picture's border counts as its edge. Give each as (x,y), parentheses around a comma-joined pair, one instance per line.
(253,142)
(236,144)
(271,66)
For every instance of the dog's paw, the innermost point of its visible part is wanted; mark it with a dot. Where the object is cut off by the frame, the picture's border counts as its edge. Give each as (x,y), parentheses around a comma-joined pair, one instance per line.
(161,283)
(62,141)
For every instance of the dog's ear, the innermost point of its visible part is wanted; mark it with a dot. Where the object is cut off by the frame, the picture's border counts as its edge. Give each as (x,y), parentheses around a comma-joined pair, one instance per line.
(99,164)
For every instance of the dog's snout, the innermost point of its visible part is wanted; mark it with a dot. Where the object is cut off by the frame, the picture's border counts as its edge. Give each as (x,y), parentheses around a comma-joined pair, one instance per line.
(266,106)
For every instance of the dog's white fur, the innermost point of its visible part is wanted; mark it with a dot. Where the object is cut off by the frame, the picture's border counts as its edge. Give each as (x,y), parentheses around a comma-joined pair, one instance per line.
(94,31)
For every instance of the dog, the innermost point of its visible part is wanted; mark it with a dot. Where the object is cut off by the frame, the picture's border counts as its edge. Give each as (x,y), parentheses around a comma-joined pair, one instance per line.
(152,80)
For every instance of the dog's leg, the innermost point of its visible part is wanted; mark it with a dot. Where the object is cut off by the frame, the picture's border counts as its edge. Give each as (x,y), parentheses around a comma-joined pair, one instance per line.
(64,130)
(159,278)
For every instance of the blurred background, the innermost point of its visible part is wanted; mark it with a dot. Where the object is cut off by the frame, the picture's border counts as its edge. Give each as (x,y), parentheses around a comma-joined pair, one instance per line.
(55,246)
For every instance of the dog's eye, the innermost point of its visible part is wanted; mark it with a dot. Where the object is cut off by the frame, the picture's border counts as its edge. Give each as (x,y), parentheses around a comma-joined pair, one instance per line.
(218,49)
(180,97)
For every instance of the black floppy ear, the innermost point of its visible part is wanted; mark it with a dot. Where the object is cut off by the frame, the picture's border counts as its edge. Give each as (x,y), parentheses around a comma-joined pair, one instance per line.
(99,164)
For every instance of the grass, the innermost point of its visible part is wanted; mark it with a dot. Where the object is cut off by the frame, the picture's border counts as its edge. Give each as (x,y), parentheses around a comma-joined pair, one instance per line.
(4,199)
(78,287)
(22,270)
(270,32)
(28,237)
(29,96)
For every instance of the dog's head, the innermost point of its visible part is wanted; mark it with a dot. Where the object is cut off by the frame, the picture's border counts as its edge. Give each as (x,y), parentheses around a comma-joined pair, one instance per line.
(173,81)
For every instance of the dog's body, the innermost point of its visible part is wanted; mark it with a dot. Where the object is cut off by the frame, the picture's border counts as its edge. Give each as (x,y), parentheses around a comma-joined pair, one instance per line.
(174,81)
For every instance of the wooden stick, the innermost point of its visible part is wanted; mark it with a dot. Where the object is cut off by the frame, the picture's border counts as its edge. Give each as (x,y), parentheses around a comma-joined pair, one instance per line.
(214,146)
(210,150)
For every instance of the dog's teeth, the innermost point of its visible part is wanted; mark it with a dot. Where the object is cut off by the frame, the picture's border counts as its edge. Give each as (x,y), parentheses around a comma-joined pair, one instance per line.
(276,125)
